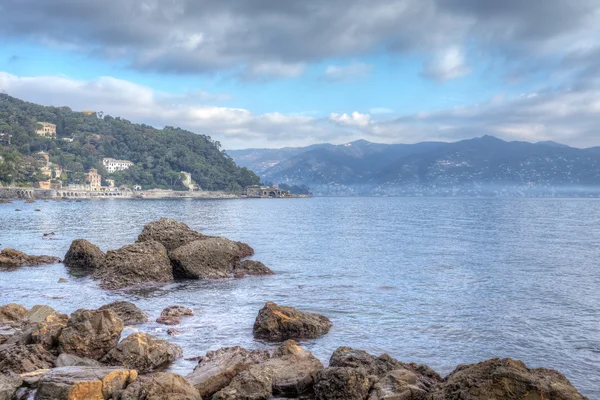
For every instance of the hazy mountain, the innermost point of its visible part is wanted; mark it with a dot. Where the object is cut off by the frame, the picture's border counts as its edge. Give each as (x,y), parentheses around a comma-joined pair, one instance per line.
(485,165)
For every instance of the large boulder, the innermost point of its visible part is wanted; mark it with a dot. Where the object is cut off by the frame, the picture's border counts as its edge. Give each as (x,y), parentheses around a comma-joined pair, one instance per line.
(400,384)
(293,370)
(25,358)
(78,383)
(161,386)
(49,330)
(143,352)
(39,313)
(84,256)
(378,366)
(11,259)
(9,383)
(129,313)
(170,233)
(251,384)
(135,264)
(244,249)
(275,322)
(250,267)
(217,368)
(342,383)
(172,315)
(12,313)
(91,333)
(205,259)
(70,360)
(505,379)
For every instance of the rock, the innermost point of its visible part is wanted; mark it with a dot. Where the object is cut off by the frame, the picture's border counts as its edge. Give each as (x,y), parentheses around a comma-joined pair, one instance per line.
(245,249)
(25,358)
(342,383)
(37,209)
(276,322)
(91,333)
(378,366)
(11,259)
(400,384)
(143,352)
(78,383)
(49,234)
(170,233)
(85,256)
(63,280)
(7,332)
(11,313)
(129,313)
(9,384)
(251,267)
(505,379)
(49,330)
(251,384)
(205,259)
(31,379)
(172,315)
(293,370)
(217,368)
(161,386)
(173,332)
(69,360)
(38,313)
(135,264)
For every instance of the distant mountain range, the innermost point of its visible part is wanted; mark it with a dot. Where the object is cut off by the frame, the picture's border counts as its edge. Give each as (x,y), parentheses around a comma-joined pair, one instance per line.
(480,166)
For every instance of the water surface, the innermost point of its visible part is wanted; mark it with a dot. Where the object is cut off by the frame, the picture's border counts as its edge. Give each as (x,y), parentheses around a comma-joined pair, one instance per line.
(437,281)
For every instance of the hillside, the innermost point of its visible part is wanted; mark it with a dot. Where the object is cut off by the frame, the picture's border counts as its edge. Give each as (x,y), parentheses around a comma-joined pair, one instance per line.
(479,166)
(84,139)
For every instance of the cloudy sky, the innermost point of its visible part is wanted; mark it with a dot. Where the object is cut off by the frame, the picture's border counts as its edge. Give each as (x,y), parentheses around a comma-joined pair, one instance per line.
(273,73)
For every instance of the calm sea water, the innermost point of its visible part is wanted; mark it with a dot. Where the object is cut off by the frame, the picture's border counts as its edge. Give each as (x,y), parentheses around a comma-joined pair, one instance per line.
(437,281)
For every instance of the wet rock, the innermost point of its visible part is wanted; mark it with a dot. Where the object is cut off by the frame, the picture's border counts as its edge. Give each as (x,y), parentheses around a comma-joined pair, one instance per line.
(505,379)
(251,384)
(244,249)
(173,332)
(25,358)
(70,360)
(85,256)
(78,383)
(217,368)
(135,264)
(12,259)
(63,280)
(205,259)
(129,313)
(342,383)
(172,315)
(161,386)
(275,322)
(91,333)
(251,267)
(49,234)
(49,330)
(38,313)
(11,313)
(143,352)
(9,383)
(170,233)
(378,366)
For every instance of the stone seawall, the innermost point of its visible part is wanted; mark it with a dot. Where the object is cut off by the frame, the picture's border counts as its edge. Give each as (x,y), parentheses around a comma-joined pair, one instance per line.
(16,193)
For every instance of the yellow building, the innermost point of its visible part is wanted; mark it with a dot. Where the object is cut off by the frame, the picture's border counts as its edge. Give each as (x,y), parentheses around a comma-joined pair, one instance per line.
(47,130)
(94,179)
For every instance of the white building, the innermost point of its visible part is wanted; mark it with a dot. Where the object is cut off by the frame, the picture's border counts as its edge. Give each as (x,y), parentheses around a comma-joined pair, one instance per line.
(111,165)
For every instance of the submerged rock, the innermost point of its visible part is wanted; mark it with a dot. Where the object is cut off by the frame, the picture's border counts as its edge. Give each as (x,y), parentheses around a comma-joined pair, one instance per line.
(91,333)
(172,315)
(85,256)
(161,386)
(170,233)
(217,368)
(12,259)
(251,267)
(129,313)
(505,379)
(135,264)
(78,383)
(143,352)
(25,358)
(205,259)
(275,322)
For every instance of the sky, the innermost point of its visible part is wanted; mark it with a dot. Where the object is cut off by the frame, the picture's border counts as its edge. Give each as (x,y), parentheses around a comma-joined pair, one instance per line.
(275,73)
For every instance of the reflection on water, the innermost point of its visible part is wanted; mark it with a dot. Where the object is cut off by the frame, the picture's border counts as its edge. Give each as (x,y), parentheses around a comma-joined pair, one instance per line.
(439,281)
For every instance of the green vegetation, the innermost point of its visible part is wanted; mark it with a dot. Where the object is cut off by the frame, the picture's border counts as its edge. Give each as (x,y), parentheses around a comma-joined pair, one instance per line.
(159,154)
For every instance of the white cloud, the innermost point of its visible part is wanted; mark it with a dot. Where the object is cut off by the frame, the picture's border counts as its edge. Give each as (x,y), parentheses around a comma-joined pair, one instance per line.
(354,119)
(449,63)
(345,72)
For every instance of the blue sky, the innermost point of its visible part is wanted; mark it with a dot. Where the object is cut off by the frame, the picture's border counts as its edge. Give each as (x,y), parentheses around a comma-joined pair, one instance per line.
(271,74)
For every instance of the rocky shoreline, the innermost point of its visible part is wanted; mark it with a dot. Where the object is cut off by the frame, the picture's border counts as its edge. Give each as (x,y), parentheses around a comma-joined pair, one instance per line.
(45,354)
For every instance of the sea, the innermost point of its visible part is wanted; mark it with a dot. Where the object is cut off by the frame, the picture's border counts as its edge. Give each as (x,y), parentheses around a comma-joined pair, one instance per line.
(440,281)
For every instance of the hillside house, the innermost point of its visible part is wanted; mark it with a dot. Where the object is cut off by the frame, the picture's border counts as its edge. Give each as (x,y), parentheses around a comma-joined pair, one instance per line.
(47,130)
(111,165)
(94,179)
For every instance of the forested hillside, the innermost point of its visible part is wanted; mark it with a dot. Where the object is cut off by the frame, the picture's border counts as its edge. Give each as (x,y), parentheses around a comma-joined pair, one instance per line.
(159,154)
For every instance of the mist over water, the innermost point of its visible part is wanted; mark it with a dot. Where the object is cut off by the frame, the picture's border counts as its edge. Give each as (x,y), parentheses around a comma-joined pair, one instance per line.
(441,281)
